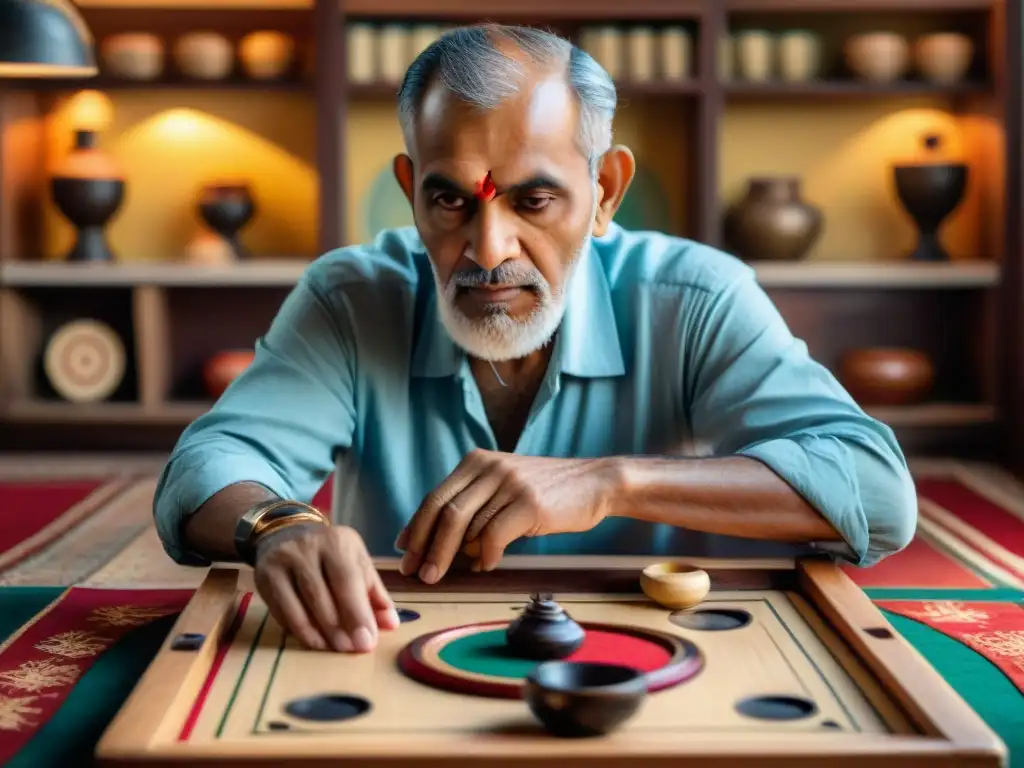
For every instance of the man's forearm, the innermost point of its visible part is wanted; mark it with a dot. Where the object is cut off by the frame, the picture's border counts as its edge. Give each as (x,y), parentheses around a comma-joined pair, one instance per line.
(732,496)
(210,530)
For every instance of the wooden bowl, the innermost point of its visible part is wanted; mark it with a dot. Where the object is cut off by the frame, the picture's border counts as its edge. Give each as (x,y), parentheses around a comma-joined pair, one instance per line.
(577,699)
(886,375)
(675,585)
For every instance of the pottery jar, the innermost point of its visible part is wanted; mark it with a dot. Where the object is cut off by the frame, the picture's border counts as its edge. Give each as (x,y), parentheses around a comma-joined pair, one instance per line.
(944,57)
(755,55)
(886,376)
(361,53)
(799,56)
(772,221)
(641,53)
(266,54)
(675,53)
(880,57)
(133,56)
(204,55)
(223,368)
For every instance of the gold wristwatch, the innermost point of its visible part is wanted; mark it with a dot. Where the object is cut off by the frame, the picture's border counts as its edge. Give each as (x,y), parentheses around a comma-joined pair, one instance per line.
(269,516)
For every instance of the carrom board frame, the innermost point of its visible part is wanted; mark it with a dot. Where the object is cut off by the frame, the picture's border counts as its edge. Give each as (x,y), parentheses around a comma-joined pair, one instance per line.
(949,733)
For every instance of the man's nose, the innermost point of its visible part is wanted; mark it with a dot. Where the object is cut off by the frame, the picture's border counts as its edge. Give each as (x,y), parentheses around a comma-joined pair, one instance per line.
(494,240)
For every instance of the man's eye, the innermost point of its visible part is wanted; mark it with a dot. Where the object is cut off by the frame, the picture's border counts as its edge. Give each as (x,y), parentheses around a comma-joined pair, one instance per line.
(449,202)
(536,202)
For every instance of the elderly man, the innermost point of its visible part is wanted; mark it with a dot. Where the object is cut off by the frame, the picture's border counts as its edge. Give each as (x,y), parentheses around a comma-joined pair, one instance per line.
(519,374)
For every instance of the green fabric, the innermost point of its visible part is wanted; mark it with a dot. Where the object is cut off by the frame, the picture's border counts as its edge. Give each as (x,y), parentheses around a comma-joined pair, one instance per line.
(485,653)
(981,684)
(19,604)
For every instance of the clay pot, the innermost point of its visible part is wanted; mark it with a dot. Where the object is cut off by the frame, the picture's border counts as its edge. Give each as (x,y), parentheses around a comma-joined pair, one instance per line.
(204,56)
(223,368)
(772,221)
(886,375)
(134,56)
(266,54)
(880,57)
(944,57)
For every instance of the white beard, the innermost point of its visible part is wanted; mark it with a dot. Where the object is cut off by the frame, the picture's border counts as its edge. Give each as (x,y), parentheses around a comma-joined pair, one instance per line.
(499,336)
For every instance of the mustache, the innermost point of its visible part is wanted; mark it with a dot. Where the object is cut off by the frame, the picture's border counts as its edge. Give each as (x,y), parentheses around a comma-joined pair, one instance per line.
(504,274)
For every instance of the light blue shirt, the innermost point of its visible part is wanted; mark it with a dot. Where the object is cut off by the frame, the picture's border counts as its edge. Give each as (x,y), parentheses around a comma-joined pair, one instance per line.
(666,346)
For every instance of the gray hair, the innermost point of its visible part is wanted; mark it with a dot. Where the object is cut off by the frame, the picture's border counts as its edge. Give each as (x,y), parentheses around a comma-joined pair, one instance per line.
(469,63)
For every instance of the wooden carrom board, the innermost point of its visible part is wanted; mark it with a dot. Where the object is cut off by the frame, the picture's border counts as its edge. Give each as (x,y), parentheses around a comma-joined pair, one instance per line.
(785,664)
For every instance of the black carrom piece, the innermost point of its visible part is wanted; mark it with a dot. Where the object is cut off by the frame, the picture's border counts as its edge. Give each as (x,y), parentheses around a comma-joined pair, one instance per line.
(582,699)
(776,707)
(329,707)
(188,641)
(544,631)
(405,615)
(711,619)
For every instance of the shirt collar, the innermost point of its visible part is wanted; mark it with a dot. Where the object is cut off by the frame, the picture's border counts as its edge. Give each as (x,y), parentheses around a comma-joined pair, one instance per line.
(587,344)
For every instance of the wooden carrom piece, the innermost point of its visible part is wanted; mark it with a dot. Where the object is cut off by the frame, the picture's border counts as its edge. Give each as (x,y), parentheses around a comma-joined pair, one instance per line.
(784,664)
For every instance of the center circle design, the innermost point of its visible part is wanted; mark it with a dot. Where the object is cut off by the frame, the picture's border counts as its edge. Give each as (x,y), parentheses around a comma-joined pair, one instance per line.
(486,653)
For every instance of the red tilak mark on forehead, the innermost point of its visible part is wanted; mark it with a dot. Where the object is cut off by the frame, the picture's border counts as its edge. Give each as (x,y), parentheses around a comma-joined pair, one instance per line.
(485,188)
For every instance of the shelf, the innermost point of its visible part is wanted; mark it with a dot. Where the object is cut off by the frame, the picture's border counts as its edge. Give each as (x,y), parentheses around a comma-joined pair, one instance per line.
(42,412)
(496,10)
(935,415)
(106,83)
(183,413)
(866,6)
(624,89)
(853,89)
(285,272)
(261,273)
(894,276)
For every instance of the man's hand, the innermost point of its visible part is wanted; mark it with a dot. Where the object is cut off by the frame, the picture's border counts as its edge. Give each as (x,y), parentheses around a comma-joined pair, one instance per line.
(492,499)
(321,586)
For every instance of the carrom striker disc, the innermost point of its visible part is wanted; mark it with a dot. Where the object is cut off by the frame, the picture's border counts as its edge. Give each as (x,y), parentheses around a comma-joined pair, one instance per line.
(84,361)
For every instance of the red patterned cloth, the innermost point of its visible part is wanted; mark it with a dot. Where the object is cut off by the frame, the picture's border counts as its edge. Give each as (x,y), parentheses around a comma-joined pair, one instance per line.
(995,630)
(42,662)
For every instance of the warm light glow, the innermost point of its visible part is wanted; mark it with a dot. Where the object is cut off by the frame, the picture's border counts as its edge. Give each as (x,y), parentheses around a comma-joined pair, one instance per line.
(168,153)
(91,111)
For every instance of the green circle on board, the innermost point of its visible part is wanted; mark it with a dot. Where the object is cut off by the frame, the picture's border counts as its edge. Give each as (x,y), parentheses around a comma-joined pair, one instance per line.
(485,653)
(645,206)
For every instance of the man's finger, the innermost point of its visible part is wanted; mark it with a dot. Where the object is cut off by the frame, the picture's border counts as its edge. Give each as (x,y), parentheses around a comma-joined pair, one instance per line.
(419,532)
(380,601)
(453,522)
(355,617)
(287,609)
(317,600)
(511,523)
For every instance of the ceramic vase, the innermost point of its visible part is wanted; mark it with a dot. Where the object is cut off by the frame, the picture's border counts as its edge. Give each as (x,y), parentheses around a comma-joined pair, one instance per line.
(88,189)
(772,221)
(930,192)
(226,209)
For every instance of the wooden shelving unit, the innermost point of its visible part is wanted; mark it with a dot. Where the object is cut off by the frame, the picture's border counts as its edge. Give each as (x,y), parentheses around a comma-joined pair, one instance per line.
(965,313)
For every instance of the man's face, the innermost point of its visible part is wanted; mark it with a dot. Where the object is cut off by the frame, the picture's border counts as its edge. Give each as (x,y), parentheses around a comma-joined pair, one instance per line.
(501,265)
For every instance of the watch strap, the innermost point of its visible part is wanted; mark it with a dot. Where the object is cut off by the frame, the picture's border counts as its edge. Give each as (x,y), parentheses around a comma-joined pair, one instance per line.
(267,517)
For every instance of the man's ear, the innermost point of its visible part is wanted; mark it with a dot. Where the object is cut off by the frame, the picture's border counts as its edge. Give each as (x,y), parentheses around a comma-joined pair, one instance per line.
(403,170)
(613,179)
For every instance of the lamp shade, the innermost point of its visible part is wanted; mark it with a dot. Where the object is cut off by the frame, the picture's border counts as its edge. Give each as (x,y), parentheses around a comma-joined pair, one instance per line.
(44,38)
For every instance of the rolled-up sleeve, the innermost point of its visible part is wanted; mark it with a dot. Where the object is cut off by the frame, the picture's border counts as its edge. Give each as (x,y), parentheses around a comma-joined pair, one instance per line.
(755,391)
(279,424)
